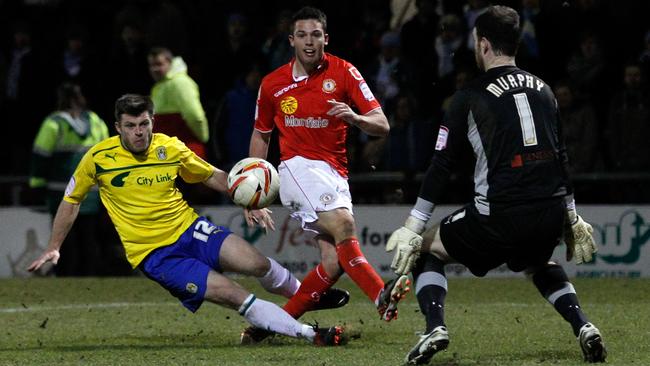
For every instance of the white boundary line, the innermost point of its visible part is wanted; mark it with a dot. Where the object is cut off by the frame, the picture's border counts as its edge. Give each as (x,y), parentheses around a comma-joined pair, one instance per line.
(34,309)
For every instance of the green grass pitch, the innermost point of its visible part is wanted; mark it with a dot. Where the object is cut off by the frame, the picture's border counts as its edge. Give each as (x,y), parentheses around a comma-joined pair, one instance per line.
(132,321)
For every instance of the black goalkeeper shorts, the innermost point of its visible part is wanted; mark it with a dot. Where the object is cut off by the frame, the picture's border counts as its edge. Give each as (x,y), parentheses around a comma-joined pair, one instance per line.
(520,240)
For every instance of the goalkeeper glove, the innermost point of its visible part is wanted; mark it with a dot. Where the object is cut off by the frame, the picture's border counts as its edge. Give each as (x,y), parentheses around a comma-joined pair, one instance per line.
(579,241)
(406,241)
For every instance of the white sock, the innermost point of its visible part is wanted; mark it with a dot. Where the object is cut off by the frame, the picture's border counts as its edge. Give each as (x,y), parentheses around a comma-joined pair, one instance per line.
(267,315)
(279,280)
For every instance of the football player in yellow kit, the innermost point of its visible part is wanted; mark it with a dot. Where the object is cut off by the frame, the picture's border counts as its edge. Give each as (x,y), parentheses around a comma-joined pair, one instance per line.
(163,236)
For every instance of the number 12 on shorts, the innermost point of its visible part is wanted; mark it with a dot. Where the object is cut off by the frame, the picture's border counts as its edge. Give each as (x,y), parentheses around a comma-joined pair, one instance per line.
(202,230)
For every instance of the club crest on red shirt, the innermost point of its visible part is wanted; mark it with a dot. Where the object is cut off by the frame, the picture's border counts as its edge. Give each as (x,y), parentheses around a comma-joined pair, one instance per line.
(329,85)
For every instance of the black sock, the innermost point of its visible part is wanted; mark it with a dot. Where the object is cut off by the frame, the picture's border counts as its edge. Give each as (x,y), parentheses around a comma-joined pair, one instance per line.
(553,283)
(431,289)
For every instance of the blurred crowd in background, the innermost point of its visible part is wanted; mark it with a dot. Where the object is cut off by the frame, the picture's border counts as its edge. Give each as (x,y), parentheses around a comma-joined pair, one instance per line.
(414,54)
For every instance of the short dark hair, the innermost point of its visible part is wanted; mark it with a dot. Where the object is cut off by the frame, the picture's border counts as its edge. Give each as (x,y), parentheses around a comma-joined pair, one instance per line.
(68,93)
(133,105)
(309,12)
(500,25)
(165,52)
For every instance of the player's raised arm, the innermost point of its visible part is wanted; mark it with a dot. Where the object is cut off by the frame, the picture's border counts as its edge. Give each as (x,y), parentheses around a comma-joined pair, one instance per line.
(65,217)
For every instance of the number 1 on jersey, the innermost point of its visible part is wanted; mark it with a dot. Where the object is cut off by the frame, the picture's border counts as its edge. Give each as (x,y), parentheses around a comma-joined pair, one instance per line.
(526,119)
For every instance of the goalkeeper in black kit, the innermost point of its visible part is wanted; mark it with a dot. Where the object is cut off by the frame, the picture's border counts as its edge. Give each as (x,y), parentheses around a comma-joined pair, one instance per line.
(523,202)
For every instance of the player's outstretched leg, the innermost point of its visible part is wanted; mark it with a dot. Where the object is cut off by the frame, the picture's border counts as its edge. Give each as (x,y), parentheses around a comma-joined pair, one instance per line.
(392,293)
(591,343)
(429,344)
(330,299)
(236,255)
(266,315)
(302,299)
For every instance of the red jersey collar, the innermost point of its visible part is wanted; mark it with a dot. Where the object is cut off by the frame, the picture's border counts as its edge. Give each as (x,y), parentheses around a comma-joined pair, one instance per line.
(324,63)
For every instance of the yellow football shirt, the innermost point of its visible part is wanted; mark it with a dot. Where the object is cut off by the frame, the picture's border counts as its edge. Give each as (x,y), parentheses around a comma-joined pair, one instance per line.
(140,192)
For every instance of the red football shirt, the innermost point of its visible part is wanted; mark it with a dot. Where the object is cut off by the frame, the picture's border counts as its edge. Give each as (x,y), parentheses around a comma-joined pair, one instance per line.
(299,109)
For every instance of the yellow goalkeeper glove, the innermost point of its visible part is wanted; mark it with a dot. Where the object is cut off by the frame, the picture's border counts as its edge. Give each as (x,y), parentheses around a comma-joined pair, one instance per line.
(406,242)
(579,241)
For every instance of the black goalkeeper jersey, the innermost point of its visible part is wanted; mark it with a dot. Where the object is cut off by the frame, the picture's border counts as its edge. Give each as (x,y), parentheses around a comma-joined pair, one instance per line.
(510,119)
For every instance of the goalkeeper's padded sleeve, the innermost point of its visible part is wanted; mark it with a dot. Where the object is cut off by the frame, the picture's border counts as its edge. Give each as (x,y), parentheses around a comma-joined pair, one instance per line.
(422,209)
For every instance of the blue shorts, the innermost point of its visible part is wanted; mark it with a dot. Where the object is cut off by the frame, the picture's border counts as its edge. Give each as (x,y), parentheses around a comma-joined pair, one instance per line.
(182,268)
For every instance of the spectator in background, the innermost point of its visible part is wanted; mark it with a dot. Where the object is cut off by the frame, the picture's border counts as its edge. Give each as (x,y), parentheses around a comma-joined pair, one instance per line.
(63,139)
(365,36)
(408,146)
(629,125)
(72,64)
(276,49)
(471,11)
(451,53)
(74,53)
(461,78)
(238,46)
(232,126)
(161,20)
(418,30)
(22,97)
(179,111)
(77,63)
(580,129)
(418,49)
(586,66)
(388,73)
(177,102)
(232,52)
(128,70)
(529,53)
(448,41)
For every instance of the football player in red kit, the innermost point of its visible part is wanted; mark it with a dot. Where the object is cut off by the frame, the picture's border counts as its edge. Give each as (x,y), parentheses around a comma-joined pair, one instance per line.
(309,101)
